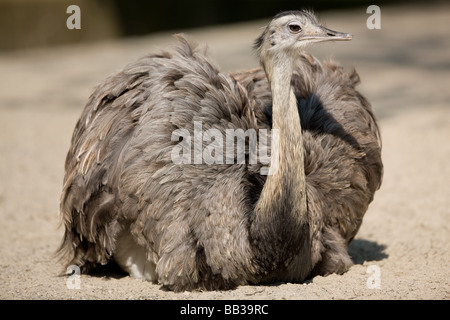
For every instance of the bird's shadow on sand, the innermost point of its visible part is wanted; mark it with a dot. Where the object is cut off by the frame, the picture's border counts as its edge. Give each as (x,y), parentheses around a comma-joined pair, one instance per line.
(109,271)
(361,250)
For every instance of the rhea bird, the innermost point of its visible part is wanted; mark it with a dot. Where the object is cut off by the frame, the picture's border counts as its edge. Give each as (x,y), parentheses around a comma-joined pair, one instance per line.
(215,226)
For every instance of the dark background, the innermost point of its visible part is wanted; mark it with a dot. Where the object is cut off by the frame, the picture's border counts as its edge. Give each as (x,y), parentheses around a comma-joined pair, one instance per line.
(36,23)
(138,17)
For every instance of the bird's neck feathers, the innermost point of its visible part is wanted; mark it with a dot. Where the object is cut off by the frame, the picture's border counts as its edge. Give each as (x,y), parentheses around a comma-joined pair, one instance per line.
(287,184)
(280,224)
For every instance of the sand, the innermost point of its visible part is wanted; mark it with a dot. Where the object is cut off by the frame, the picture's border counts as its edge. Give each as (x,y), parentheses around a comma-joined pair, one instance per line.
(401,251)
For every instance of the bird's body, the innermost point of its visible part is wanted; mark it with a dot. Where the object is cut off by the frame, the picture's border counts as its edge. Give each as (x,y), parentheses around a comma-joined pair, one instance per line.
(205,225)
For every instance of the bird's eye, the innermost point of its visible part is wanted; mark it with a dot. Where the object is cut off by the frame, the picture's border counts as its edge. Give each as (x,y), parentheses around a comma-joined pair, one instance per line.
(295,28)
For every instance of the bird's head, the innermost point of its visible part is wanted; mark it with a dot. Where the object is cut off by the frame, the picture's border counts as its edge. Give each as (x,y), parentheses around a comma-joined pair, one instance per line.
(290,31)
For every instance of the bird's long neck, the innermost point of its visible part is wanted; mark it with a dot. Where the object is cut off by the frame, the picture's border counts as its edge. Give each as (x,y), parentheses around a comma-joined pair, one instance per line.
(281,209)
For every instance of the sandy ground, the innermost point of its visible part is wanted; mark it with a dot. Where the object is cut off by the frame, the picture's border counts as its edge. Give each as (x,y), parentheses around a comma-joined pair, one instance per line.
(402,249)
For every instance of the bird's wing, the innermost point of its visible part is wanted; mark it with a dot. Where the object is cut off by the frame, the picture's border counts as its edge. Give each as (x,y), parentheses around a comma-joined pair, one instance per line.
(93,163)
(341,139)
(258,91)
(121,145)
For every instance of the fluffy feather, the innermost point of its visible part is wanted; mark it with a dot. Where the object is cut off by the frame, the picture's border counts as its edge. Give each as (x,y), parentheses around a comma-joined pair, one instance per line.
(193,220)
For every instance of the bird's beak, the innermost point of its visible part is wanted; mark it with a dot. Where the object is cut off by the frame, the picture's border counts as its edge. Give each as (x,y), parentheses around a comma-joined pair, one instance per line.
(324,34)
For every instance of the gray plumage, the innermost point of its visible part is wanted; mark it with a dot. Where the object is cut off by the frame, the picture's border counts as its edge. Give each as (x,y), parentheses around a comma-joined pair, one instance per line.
(217,226)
